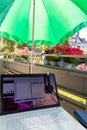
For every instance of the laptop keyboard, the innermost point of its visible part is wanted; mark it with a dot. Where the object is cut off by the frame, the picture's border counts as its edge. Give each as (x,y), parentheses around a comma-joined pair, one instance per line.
(36,121)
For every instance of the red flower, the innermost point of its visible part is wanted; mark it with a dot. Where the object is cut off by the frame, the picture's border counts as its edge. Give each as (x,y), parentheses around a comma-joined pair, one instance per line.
(68,50)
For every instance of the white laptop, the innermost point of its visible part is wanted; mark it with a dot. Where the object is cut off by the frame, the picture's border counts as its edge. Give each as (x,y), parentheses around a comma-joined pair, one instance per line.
(31,102)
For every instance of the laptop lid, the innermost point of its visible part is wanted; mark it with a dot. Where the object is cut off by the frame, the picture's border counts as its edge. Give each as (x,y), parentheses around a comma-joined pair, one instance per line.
(24,92)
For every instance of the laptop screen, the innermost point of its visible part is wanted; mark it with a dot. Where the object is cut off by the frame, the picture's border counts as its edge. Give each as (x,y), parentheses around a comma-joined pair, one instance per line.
(27,92)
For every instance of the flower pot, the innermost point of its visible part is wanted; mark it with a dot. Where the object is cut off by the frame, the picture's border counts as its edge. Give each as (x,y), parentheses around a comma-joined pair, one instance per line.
(46,62)
(53,63)
(68,65)
(17,59)
(61,63)
(23,60)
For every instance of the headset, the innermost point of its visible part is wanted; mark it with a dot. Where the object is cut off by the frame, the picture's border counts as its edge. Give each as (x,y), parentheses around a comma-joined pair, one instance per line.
(49,89)
(48,85)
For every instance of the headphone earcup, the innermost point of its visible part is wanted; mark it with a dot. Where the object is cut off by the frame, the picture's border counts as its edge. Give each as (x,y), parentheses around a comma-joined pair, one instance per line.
(49,88)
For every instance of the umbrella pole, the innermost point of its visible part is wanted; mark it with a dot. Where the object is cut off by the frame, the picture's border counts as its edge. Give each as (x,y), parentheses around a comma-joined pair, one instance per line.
(33,24)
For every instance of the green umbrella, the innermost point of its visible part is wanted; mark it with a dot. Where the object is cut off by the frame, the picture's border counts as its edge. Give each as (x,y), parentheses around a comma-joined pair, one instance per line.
(41,21)
(4,8)
(82,4)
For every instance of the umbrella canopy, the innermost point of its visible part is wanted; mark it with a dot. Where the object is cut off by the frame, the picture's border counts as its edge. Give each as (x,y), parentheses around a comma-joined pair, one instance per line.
(52,22)
(82,4)
(4,8)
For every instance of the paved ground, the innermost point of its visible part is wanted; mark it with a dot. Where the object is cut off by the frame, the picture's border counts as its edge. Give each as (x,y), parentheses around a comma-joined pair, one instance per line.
(69,107)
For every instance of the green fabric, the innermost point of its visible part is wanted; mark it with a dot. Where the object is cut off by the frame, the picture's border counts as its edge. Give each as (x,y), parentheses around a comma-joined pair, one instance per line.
(55,21)
(82,4)
(4,8)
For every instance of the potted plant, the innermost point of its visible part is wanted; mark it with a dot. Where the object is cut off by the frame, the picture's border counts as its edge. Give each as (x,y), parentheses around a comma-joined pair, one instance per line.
(67,50)
(52,60)
(24,58)
(70,62)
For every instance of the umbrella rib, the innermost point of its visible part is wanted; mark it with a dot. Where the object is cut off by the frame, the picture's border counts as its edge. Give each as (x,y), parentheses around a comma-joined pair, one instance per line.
(6,7)
(50,21)
(28,22)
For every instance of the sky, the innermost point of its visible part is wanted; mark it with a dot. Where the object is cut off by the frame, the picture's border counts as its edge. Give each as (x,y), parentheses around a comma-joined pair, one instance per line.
(83,33)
